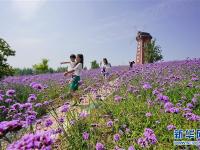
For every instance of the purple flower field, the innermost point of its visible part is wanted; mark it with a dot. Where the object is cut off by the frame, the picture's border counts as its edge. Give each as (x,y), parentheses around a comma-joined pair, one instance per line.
(131,109)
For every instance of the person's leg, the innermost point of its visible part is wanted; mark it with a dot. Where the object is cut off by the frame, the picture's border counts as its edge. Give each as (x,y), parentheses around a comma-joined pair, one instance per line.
(74,88)
(71,88)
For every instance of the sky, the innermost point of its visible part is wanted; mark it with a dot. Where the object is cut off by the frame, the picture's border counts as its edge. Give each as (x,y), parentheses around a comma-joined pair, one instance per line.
(54,29)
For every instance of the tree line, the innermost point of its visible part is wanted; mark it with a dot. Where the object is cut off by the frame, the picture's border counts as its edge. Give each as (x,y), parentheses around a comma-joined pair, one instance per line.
(40,68)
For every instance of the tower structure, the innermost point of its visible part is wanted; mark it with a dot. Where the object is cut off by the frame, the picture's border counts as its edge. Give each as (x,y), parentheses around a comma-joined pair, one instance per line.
(142,39)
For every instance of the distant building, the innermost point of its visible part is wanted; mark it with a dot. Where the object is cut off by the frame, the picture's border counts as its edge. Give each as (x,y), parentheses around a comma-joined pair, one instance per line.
(142,39)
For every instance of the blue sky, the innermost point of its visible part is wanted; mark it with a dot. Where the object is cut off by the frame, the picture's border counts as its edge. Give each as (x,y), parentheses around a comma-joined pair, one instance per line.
(54,29)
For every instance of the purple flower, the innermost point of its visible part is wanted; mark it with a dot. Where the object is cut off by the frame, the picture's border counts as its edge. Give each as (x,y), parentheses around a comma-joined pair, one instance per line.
(1,92)
(37,86)
(110,123)
(32,98)
(146,86)
(30,119)
(83,114)
(195,79)
(48,123)
(171,127)
(2,107)
(61,120)
(33,83)
(1,97)
(190,85)
(117,98)
(155,92)
(178,105)
(152,139)
(8,100)
(116,137)
(99,146)
(187,109)
(190,105)
(16,106)
(59,130)
(163,98)
(46,102)
(9,126)
(10,92)
(194,101)
(31,113)
(39,140)
(142,142)
(127,130)
(148,114)
(65,108)
(148,132)
(174,110)
(72,122)
(149,138)
(38,105)
(191,116)
(27,106)
(131,148)
(17,116)
(85,136)
(168,105)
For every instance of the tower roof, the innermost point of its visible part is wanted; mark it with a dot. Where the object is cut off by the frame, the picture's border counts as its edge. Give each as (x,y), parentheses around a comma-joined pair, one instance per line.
(143,35)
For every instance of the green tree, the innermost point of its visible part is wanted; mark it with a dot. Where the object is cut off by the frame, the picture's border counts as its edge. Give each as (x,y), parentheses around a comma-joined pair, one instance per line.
(5,52)
(94,64)
(62,69)
(24,71)
(50,70)
(42,67)
(152,52)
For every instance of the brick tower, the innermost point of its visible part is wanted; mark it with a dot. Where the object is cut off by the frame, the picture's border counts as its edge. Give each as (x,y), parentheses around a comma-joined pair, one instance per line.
(142,39)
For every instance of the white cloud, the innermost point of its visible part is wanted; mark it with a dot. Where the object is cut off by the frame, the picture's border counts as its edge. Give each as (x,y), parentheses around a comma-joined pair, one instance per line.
(26,9)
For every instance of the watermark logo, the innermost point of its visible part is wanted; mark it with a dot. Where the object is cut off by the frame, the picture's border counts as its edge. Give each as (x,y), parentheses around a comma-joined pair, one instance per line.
(189,134)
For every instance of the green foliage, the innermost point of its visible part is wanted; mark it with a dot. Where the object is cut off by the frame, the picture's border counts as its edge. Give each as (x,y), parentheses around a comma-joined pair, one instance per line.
(5,52)
(152,52)
(24,71)
(50,70)
(42,67)
(30,71)
(62,69)
(94,64)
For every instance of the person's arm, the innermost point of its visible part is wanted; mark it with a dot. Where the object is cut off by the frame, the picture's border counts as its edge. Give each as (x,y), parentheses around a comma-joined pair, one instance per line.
(73,69)
(66,62)
(68,72)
